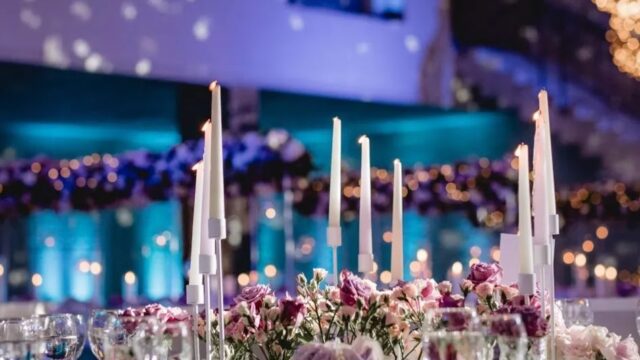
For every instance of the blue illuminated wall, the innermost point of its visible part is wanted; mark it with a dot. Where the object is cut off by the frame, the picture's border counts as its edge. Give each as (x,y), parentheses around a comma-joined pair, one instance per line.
(70,114)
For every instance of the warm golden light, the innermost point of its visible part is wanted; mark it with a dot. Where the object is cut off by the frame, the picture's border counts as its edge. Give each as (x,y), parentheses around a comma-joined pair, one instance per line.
(602,232)
(568,257)
(456,268)
(599,270)
(387,236)
(611,273)
(213,85)
(84,266)
(129,277)
(385,277)
(270,271)
(580,260)
(588,246)
(422,255)
(96,268)
(243,279)
(415,266)
(36,279)
(270,213)
(495,253)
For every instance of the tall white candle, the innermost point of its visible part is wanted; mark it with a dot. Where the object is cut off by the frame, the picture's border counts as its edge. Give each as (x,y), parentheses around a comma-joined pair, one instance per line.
(216,180)
(365,256)
(335,187)
(524,211)
(540,198)
(195,278)
(543,101)
(397,263)
(206,244)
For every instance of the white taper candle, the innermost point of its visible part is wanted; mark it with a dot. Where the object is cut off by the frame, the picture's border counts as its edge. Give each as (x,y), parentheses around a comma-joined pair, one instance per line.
(195,278)
(397,262)
(543,101)
(335,188)
(216,180)
(540,198)
(524,211)
(365,255)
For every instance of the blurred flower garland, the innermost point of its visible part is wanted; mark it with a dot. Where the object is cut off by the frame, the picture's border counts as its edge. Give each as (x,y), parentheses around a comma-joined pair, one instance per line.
(483,190)
(136,177)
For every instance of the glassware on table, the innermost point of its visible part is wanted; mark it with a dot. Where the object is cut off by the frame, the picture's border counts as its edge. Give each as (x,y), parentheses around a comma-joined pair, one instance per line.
(508,332)
(17,336)
(81,323)
(59,336)
(452,333)
(177,339)
(576,312)
(133,337)
(96,324)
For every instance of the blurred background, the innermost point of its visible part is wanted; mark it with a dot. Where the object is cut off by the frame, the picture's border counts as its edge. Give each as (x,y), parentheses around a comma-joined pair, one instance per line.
(101,106)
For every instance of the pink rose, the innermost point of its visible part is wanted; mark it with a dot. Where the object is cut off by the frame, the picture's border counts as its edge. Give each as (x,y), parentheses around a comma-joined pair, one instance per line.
(509,292)
(451,301)
(353,288)
(254,294)
(445,287)
(483,272)
(484,290)
(466,286)
(626,349)
(291,311)
(410,290)
(429,291)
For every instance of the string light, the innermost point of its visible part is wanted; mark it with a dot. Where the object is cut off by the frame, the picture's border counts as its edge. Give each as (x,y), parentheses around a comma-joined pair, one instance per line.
(602,232)
(270,271)
(96,268)
(456,268)
(623,36)
(611,273)
(84,266)
(568,257)
(385,277)
(270,213)
(599,271)
(36,279)
(243,279)
(580,260)
(422,255)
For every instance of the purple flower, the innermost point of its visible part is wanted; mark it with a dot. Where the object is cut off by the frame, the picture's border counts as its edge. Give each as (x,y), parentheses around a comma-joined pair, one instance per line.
(291,311)
(483,272)
(353,288)
(254,294)
(451,301)
(534,322)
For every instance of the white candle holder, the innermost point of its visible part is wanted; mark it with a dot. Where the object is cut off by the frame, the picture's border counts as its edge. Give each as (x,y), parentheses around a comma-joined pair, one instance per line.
(334,240)
(217,232)
(554,224)
(526,285)
(208,266)
(365,263)
(195,297)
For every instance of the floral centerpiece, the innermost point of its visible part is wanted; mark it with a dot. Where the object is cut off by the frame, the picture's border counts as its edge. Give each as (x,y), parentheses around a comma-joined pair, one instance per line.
(357,320)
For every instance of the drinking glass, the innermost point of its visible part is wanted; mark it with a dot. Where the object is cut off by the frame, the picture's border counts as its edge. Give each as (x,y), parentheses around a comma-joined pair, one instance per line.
(16,338)
(58,337)
(508,332)
(97,322)
(133,337)
(177,338)
(452,333)
(576,312)
(81,324)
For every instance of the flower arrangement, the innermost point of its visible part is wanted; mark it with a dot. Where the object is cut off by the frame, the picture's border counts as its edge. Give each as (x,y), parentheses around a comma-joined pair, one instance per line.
(356,320)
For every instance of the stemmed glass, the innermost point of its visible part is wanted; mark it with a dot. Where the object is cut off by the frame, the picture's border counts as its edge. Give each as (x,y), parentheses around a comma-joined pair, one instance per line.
(177,339)
(97,322)
(133,337)
(451,333)
(59,337)
(16,338)
(576,312)
(508,332)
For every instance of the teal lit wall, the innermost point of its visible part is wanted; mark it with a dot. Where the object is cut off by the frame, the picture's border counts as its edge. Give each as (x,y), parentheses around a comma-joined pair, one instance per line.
(66,114)
(414,134)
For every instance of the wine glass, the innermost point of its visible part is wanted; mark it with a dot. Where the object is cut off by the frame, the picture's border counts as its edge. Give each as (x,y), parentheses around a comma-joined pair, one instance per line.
(177,337)
(81,324)
(451,333)
(508,332)
(97,322)
(133,337)
(58,337)
(16,338)
(576,312)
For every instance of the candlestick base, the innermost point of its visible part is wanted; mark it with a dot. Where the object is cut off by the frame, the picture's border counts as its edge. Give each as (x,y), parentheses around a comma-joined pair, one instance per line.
(217,228)
(208,264)
(542,255)
(526,283)
(195,294)
(334,236)
(554,224)
(365,263)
